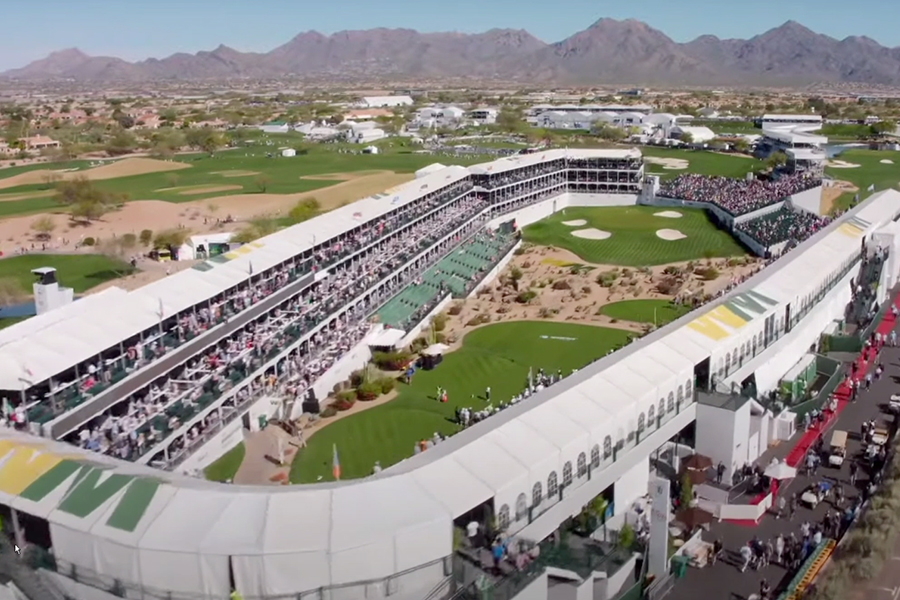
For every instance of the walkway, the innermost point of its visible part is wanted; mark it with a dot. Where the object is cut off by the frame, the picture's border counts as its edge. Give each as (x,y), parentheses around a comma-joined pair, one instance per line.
(725,576)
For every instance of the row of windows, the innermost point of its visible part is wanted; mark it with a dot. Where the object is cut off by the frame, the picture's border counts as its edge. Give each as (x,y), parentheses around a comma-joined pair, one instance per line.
(665,405)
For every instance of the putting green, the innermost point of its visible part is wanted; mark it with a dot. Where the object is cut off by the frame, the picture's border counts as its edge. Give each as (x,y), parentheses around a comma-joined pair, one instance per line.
(634,242)
(498,356)
(659,312)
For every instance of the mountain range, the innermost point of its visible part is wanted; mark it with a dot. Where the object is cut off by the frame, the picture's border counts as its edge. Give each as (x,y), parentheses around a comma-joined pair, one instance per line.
(607,52)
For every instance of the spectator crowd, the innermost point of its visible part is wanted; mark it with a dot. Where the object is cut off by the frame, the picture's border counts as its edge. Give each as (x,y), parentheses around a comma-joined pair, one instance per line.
(783,225)
(737,196)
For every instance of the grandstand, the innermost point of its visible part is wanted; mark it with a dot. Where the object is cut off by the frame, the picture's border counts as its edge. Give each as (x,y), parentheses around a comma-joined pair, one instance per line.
(141,532)
(457,274)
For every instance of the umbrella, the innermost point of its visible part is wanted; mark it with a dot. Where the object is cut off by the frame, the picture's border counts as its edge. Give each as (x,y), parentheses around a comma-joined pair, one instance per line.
(697,462)
(693,517)
(780,471)
(696,477)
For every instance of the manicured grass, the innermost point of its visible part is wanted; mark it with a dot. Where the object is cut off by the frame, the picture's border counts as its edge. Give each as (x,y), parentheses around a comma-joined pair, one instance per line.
(284,175)
(226,467)
(645,311)
(80,272)
(702,162)
(634,242)
(498,356)
(870,169)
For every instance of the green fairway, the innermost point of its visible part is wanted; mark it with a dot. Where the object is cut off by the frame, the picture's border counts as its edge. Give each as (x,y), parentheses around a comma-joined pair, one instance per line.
(498,356)
(7,321)
(657,312)
(80,272)
(634,242)
(871,169)
(702,162)
(226,467)
(240,169)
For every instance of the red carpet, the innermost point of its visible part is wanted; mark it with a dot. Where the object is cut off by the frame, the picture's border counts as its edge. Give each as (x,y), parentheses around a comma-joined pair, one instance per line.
(864,363)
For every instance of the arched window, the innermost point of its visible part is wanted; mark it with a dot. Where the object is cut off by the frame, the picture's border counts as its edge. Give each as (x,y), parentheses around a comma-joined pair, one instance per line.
(642,423)
(503,517)
(760,340)
(728,363)
(680,395)
(581,465)
(670,407)
(734,357)
(607,447)
(537,494)
(552,485)
(567,474)
(754,346)
(595,456)
(689,389)
(521,507)
(662,407)
(651,417)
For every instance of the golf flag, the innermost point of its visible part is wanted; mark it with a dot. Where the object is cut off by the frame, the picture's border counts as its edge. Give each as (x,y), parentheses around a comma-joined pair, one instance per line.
(530,378)
(250,266)
(871,188)
(336,465)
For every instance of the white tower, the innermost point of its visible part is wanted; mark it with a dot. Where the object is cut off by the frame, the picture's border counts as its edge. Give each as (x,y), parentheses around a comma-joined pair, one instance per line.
(47,293)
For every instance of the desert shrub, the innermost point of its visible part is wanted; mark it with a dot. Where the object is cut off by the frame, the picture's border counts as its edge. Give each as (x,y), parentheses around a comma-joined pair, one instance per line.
(391,361)
(348,395)
(439,322)
(708,273)
(368,391)
(526,296)
(455,309)
(440,337)
(387,384)
(562,284)
(129,240)
(607,278)
(146,237)
(586,289)
(672,270)
(342,405)
(519,251)
(479,319)
(668,286)
(418,344)
(546,313)
(329,411)
(88,241)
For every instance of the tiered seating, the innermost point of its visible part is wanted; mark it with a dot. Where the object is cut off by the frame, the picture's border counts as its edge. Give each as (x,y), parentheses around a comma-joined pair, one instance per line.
(782,225)
(457,273)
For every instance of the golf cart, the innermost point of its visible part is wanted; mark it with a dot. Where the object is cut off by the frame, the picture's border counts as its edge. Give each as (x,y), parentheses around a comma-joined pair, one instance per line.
(815,493)
(880,436)
(894,404)
(838,448)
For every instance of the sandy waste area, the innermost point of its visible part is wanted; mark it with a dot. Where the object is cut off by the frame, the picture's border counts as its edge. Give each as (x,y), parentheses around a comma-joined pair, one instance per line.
(669,164)
(121,168)
(668,214)
(670,235)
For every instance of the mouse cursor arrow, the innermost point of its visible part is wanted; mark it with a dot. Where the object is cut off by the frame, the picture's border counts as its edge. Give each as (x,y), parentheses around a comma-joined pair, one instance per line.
(17,549)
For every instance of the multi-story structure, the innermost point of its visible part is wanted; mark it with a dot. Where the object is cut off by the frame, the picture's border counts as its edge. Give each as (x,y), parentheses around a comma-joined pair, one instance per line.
(156,534)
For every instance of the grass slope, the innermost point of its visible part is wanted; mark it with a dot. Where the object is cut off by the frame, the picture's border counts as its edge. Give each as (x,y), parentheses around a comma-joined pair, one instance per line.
(226,466)
(497,355)
(80,272)
(634,242)
(644,311)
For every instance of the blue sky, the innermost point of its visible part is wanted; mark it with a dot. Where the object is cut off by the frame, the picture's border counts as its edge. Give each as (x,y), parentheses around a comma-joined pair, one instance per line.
(137,29)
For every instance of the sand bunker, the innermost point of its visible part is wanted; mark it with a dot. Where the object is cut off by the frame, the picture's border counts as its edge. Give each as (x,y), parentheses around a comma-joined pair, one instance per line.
(121,168)
(210,189)
(671,164)
(575,223)
(840,164)
(886,161)
(592,234)
(235,173)
(670,235)
(668,214)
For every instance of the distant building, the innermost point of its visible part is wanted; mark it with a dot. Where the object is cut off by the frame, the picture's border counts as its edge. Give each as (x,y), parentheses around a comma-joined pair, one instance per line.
(275,127)
(367,136)
(798,123)
(699,135)
(386,101)
(484,116)
(288,153)
(39,142)
(643,109)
